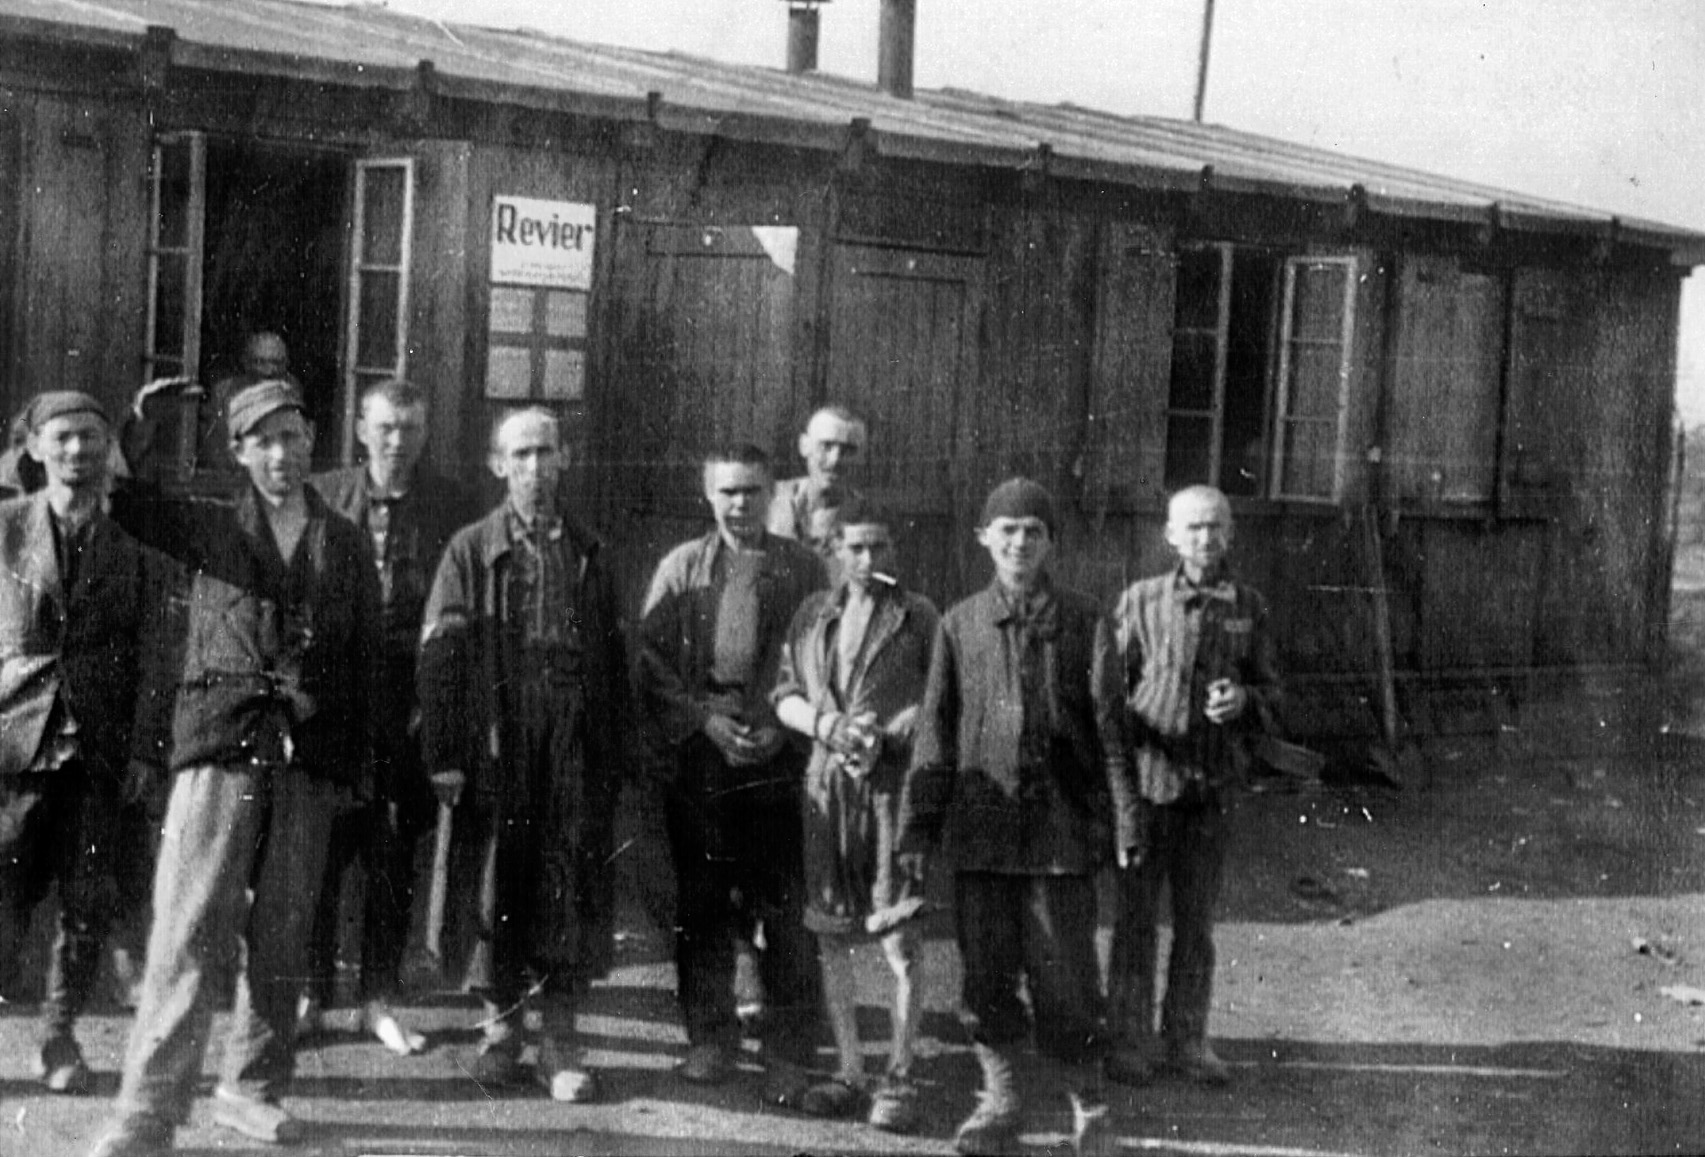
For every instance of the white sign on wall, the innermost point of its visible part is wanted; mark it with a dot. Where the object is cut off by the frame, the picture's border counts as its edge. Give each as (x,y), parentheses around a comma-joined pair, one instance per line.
(546,243)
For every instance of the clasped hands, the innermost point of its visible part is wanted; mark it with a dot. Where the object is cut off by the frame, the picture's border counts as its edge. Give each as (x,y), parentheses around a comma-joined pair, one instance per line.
(742,744)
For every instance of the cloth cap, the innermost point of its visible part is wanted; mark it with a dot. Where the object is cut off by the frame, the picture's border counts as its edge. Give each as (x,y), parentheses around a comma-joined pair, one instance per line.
(56,404)
(1020,498)
(252,404)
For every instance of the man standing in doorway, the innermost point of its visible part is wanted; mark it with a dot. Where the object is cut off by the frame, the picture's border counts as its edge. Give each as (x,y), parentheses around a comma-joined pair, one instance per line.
(715,618)
(807,508)
(265,359)
(77,729)
(409,513)
(270,734)
(524,696)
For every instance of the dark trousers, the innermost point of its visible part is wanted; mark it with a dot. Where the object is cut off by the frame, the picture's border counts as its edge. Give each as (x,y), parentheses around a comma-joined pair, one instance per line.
(381,837)
(1186,848)
(241,860)
(58,827)
(1020,932)
(739,858)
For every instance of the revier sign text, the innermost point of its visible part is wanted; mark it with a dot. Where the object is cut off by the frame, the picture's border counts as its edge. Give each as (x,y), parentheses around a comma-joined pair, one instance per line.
(546,243)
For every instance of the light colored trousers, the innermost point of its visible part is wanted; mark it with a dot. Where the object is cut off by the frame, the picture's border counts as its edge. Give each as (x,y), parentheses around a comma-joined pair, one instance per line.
(241,862)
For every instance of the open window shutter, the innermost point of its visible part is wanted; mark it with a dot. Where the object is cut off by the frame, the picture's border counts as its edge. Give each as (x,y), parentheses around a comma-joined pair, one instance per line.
(376,325)
(1131,368)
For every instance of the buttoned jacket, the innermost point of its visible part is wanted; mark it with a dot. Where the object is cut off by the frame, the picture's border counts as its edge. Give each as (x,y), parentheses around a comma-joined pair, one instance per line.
(80,645)
(461,667)
(1174,641)
(966,791)
(261,682)
(678,630)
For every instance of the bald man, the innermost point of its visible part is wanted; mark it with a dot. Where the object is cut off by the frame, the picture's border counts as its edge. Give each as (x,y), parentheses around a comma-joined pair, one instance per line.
(807,508)
(1201,682)
(524,704)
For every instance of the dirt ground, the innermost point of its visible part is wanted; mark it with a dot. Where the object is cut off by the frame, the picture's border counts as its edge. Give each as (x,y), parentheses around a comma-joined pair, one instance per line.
(1474,963)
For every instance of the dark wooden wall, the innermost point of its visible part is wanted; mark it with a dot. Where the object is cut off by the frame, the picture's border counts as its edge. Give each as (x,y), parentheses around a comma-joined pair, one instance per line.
(1507,437)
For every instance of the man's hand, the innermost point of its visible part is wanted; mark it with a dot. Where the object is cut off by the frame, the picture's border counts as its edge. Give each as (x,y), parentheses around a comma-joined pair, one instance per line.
(742,745)
(447,786)
(1226,701)
(1130,857)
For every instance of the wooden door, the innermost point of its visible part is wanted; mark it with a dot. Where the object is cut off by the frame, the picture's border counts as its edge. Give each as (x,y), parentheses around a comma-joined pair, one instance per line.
(702,355)
(902,352)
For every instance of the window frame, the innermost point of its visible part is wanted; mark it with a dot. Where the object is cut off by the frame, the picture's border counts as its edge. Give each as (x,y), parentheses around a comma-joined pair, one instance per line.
(1222,347)
(191,253)
(1280,386)
(355,374)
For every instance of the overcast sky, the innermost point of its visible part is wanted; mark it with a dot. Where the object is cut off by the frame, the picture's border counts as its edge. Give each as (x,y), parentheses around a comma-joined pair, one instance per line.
(1600,102)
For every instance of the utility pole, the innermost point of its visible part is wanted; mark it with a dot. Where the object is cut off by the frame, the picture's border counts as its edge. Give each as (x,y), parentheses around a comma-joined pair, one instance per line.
(1202,64)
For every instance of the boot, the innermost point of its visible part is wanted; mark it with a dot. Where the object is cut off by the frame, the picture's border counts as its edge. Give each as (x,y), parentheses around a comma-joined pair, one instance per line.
(1193,1058)
(1133,1059)
(992,1128)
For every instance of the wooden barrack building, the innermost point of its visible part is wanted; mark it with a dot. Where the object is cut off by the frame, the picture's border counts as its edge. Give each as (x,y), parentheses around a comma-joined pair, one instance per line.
(1444,411)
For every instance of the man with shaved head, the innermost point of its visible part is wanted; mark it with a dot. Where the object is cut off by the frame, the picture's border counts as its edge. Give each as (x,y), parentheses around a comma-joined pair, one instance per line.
(807,508)
(523,691)
(1201,681)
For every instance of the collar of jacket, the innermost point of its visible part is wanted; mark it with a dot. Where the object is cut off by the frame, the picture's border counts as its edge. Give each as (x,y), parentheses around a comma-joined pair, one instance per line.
(493,532)
(1039,599)
(882,595)
(41,528)
(251,518)
(712,546)
(1224,588)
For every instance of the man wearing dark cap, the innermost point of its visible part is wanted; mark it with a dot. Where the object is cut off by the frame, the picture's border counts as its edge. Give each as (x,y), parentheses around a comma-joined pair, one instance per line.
(1018,773)
(270,735)
(76,731)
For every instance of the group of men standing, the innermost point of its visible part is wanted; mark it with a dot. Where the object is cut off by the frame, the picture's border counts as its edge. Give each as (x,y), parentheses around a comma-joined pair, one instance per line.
(324,670)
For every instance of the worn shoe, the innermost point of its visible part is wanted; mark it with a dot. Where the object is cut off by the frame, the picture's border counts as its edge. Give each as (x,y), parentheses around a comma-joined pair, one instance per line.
(704,1065)
(1130,1065)
(61,1066)
(894,1105)
(785,1084)
(565,1076)
(498,1062)
(379,1020)
(1194,1060)
(836,1098)
(135,1135)
(255,1118)
(992,1128)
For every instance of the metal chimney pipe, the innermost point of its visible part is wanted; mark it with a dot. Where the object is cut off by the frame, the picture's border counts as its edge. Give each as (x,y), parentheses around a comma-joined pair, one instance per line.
(802,31)
(898,32)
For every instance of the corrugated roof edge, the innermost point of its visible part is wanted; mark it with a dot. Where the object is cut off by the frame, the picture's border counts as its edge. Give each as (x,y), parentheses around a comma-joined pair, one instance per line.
(939,125)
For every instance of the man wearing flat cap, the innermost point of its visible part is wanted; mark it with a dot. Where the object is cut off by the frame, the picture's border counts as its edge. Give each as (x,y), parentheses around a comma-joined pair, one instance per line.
(1018,773)
(76,731)
(270,735)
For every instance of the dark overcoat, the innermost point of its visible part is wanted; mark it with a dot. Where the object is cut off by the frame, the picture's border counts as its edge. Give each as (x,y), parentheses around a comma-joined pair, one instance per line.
(465,728)
(83,644)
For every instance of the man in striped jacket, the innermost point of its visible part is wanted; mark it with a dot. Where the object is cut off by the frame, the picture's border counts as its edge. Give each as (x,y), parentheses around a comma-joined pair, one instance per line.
(1200,681)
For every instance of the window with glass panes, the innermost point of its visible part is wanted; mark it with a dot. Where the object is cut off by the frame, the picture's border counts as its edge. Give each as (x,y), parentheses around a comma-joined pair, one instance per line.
(1260,357)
